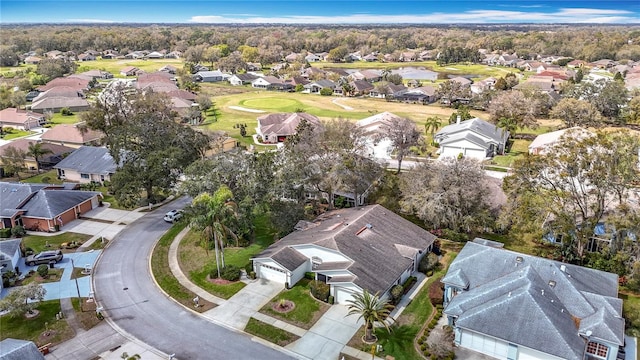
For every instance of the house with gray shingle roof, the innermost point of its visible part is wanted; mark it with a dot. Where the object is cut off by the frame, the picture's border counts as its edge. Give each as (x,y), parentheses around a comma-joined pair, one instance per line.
(515,306)
(87,164)
(15,349)
(474,138)
(275,128)
(352,250)
(43,207)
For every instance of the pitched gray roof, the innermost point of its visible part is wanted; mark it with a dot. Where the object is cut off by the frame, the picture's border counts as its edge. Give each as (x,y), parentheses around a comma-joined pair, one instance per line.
(377,262)
(475,125)
(289,258)
(8,248)
(284,123)
(48,204)
(543,300)
(14,349)
(14,195)
(89,160)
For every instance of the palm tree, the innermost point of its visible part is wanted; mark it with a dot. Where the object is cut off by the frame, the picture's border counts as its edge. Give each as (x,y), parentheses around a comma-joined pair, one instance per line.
(432,125)
(507,124)
(212,215)
(371,309)
(36,151)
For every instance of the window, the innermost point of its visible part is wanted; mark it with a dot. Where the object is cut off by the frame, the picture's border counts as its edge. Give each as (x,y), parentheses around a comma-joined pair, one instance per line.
(597,349)
(84,176)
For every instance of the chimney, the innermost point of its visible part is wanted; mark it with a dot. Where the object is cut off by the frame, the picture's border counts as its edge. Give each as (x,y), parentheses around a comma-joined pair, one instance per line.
(458,120)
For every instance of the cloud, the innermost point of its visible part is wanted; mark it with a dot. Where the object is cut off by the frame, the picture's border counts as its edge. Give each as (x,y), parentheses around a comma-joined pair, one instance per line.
(565,15)
(93,21)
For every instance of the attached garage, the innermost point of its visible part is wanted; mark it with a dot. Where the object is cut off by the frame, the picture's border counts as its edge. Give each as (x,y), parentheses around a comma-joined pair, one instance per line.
(342,295)
(484,344)
(271,273)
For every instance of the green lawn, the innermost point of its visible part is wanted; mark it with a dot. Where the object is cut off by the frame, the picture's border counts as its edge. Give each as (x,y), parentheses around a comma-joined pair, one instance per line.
(39,243)
(58,118)
(307,309)
(11,133)
(32,329)
(631,310)
(270,332)
(48,177)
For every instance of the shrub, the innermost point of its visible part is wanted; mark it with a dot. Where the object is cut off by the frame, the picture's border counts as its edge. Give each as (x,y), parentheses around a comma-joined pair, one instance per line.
(5,233)
(436,294)
(18,231)
(229,273)
(326,91)
(299,87)
(408,284)
(331,300)
(43,271)
(65,112)
(454,235)
(252,275)
(310,275)
(396,293)
(428,262)
(319,290)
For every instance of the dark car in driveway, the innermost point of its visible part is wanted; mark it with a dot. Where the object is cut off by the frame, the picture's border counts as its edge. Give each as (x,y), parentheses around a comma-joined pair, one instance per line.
(44,257)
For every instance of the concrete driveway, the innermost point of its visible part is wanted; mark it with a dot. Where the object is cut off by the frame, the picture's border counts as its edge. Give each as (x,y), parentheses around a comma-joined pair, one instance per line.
(102,221)
(327,338)
(237,311)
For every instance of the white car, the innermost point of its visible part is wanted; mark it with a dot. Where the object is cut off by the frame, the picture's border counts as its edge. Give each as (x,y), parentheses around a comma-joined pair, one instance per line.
(173,216)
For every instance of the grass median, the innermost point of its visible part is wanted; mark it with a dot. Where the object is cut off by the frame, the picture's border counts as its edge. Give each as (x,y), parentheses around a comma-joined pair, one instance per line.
(270,332)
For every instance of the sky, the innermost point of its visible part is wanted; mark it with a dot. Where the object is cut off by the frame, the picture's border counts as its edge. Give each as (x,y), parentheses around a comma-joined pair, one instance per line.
(320,11)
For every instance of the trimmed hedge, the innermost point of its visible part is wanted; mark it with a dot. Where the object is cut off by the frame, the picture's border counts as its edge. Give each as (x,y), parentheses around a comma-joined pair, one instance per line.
(5,233)
(436,293)
(229,273)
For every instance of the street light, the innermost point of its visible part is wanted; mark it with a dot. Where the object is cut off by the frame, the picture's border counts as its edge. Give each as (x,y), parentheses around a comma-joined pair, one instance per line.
(73,267)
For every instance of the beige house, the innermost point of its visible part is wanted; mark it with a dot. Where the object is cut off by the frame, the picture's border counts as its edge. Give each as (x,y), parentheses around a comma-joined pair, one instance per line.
(71,136)
(21,119)
(57,152)
(87,164)
(274,128)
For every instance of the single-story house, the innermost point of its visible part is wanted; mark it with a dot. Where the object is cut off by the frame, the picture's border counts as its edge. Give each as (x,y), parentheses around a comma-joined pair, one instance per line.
(72,81)
(361,87)
(169,69)
(352,250)
(474,138)
(424,94)
(32,60)
(87,164)
(275,128)
(57,152)
(71,136)
(209,76)
(371,126)
(270,83)
(14,349)
(59,91)
(98,74)
(9,254)
(510,305)
(154,55)
(241,79)
(129,71)
(312,58)
(86,57)
(41,207)
(314,87)
(545,142)
(21,119)
(57,103)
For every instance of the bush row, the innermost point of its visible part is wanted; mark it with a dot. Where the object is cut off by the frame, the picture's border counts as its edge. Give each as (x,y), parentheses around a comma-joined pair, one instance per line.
(319,290)
(434,353)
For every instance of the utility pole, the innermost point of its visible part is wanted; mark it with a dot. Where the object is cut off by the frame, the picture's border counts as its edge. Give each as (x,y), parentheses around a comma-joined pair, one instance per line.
(73,267)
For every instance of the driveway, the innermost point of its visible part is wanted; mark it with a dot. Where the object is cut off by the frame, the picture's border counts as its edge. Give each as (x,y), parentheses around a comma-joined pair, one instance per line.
(236,311)
(133,303)
(103,221)
(327,338)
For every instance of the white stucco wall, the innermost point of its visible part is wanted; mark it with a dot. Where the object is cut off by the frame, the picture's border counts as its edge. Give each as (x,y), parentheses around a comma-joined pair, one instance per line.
(324,254)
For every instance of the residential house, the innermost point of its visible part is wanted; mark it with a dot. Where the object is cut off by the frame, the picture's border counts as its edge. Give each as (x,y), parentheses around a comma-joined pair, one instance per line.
(77,83)
(253,66)
(32,60)
(407,56)
(291,57)
(507,60)
(86,57)
(473,138)
(271,83)
(57,103)
(275,128)
(312,58)
(464,82)
(509,305)
(173,55)
(169,69)
(53,54)
(59,91)
(9,254)
(361,87)
(154,55)
(314,87)
(209,76)
(313,73)
(367,75)
(14,349)
(135,55)
(483,85)
(57,153)
(425,55)
(129,71)
(420,95)
(21,119)
(97,74)
(574,64)
(603,64)
(372,127)
(391,91)
(241,79)
(351,250)
(297,80)
(71,136)
(370,57)
(544,143)
(182,94)
(199,67)
(87,164)
(39,207)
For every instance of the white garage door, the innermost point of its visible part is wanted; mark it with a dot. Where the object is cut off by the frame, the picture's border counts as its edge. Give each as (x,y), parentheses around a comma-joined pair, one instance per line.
(272,274)
(342,295)
(483,344)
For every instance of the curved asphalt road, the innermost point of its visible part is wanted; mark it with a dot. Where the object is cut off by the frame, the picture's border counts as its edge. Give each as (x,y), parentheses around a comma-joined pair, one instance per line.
(130,298)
